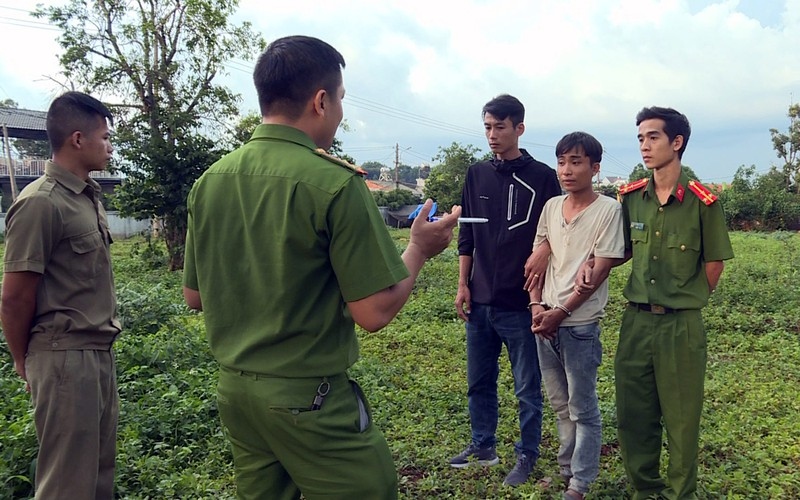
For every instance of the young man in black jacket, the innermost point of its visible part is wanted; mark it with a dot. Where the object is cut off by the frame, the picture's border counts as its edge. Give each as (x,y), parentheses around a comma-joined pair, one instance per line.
(510,191)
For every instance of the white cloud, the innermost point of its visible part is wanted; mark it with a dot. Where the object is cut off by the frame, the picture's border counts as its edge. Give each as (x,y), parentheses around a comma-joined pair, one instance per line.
(576,64)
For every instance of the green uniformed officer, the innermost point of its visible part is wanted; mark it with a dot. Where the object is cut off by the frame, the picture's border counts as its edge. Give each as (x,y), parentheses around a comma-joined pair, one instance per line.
(285,250)
(676,233)
(59,305)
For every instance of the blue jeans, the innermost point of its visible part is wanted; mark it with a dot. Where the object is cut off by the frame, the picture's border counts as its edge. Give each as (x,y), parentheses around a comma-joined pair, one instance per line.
(569,369)
(488,329)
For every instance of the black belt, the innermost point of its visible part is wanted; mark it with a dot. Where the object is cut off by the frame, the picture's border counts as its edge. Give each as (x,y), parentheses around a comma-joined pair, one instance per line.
(653,308)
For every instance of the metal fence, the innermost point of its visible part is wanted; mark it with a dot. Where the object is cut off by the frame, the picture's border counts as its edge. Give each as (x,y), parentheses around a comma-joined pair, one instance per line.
(35,168)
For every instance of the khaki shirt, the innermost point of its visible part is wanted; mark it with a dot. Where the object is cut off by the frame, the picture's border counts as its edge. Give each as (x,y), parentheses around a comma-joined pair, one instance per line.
(58,228)
(671,244)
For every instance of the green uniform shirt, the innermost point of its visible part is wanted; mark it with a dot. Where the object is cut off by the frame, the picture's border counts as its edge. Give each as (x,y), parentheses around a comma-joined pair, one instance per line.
(279,238)
(671,244)
(58,228)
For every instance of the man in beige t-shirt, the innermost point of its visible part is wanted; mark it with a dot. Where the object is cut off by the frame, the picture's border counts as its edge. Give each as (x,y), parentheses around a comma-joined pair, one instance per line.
(577,225)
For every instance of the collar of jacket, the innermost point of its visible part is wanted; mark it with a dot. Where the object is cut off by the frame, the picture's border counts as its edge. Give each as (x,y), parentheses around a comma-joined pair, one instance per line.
(510,166)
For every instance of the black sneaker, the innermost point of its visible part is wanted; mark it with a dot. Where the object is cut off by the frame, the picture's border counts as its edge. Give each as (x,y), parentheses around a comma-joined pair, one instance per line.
(475,456)
(521,471)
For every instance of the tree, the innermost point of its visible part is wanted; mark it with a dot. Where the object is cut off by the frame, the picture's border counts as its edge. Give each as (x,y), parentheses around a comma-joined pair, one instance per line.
(336,148)
(609,190)
(160,58)
(446,180)
(787,147)
(690,173)
(243,130)
(408,174)
(760,201)
(638,172)
(31,148)
(396,198)
(373,169)
(6,104)
(641,172)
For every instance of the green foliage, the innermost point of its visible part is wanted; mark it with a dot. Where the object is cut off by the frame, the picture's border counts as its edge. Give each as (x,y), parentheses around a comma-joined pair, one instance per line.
(641,172)
(787,147)
(170,442)
(760,202)
(688,170)
(336,150)
(243,130)
(609,190)
(161,59)
(396,198)
(446,180)
(406,174)
(373,169)
(638,172)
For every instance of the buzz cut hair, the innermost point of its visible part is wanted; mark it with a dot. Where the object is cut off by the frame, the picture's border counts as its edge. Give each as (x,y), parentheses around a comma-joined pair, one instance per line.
(74,111)
(291,70)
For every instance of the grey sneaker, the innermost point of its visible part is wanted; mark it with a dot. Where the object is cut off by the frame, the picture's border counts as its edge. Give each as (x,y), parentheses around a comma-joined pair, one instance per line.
(520,473)
(475,456)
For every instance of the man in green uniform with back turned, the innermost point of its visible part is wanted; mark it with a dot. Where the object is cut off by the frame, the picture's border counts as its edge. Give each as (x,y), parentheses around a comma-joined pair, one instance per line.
(676,233)
(285,250)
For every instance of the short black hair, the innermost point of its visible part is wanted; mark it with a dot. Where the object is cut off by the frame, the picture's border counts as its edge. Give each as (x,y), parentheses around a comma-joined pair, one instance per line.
(675,123)
(291,70)
(73,111)
(505,106)
(591,147)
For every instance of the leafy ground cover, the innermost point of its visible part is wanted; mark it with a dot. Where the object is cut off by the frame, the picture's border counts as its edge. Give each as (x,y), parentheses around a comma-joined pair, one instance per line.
(171,445)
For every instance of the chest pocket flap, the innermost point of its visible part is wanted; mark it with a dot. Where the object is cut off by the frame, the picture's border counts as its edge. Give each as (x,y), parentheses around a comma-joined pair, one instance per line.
(88,255)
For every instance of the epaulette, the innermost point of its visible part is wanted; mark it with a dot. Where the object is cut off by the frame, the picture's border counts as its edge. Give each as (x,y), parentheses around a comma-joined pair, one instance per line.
(633,186)
(342,163)
(702,192)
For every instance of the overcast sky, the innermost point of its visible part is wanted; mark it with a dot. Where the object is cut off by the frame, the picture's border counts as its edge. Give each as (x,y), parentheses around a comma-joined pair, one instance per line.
(419,72)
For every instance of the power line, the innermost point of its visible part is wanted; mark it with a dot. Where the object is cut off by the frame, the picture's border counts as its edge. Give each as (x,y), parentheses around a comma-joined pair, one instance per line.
(15,8)
(24,23)
(243,66)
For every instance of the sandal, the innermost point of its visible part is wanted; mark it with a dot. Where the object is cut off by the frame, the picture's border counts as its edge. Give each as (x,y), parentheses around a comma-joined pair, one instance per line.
(571,494)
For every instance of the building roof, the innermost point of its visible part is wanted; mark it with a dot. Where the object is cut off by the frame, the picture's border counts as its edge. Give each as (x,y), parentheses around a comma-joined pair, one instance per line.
(24,123)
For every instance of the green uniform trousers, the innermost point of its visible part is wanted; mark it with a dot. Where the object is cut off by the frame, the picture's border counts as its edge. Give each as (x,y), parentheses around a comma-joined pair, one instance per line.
(659,371)
(282,448)
(75,410)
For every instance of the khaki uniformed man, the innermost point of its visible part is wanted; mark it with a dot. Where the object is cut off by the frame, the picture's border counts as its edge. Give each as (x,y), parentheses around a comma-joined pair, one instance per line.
(59,307)
(676,234)
(285,251)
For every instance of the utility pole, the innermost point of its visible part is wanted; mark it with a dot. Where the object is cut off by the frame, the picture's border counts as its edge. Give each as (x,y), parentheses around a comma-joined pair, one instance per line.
(396,166)
(7,144)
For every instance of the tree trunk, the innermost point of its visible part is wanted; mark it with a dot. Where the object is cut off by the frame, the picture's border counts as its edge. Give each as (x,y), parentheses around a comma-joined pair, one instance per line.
(175,239)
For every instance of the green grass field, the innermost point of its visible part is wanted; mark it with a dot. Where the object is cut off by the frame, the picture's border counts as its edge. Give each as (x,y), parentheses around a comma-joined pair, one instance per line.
(171,446)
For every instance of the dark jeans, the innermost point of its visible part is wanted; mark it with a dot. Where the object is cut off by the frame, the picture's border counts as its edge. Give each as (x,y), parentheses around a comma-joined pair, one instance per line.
(488,329)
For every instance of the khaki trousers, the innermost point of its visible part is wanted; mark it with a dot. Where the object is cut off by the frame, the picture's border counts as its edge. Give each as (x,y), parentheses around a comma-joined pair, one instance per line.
(76,407)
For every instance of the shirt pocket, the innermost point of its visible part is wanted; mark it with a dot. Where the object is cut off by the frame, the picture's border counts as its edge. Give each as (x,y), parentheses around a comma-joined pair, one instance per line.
(638,236)
(639,248)
(683,253)
(87,250)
